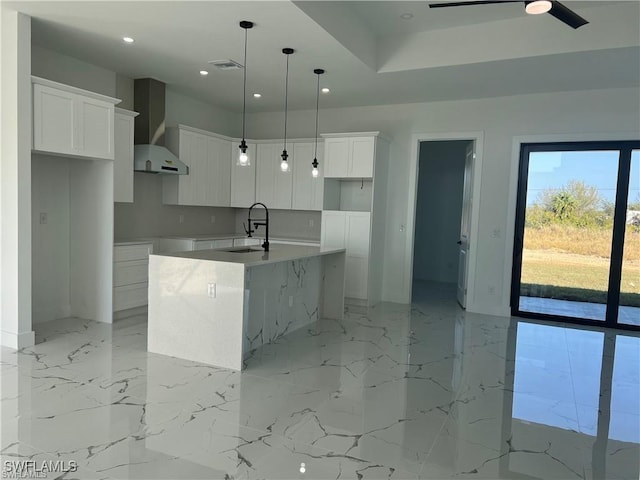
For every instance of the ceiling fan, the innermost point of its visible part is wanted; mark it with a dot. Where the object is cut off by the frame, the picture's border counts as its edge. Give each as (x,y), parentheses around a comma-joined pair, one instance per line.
(558,10)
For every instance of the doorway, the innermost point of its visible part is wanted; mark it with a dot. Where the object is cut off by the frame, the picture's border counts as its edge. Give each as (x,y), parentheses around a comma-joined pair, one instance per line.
(577,243)
(441,230)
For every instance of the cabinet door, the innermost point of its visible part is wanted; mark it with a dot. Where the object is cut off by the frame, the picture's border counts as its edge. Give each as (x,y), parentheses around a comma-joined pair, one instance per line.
(218,153)
(54,120)
(273,186)
(358,232)
(356,277)
(95,128)
(243,179)
(307,191)
(201,183)
(192,188)
(361,156)
(187,145)
(123,158)
(333,229)
(336,157)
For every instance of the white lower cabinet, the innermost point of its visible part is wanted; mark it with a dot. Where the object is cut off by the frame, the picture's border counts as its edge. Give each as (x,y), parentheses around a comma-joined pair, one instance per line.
(130,275)
(352,231)
(190,244)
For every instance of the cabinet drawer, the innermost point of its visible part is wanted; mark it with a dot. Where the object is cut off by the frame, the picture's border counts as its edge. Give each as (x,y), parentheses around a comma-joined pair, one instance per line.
(223,243)
(124,253)
(130,296)
(127,273)
(202,244)
(245,242)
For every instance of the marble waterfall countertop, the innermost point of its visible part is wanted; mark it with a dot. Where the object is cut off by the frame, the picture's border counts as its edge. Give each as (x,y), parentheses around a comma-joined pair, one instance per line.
(257,256)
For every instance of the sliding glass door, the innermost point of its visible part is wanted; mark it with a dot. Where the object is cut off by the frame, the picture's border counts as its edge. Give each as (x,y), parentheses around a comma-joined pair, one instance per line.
(577,245)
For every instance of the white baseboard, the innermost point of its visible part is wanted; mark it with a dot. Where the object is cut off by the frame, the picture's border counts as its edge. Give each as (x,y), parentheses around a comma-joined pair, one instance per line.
(17,340)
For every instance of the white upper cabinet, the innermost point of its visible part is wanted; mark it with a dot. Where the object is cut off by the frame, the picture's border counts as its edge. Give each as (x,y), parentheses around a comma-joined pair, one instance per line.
(307,191)
(71,121)
(243,179)
(209,180)
(123,157)
(273,186)
(349,156)
(218,153)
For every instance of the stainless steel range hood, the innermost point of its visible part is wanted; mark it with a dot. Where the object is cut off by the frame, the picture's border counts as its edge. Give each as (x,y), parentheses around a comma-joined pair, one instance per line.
(150,154)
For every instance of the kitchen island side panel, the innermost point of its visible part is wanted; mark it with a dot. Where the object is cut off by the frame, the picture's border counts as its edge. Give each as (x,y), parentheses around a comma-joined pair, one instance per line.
(281,297)
(189,319)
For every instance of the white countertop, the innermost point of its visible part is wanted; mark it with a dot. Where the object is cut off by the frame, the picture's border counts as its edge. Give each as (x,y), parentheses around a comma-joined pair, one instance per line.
(132,241)
(276,253)
(208,236)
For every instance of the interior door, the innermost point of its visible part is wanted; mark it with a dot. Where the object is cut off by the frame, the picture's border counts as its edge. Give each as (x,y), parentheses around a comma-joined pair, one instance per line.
(465,225)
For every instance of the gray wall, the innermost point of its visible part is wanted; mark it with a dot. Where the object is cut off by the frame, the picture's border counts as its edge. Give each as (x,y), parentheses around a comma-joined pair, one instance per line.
(287,223)
(71,71)
(438,210)
(148,217)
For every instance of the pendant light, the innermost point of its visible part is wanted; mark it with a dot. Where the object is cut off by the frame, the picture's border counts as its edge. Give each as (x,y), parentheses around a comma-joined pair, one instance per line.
(243,158)
(314,164)
(284,165)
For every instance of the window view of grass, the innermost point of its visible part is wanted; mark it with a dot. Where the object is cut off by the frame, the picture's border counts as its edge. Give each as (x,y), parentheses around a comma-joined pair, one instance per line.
(567,246)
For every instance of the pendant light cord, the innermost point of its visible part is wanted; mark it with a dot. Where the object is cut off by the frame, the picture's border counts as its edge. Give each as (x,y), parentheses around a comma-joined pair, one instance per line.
(286,95)
(315,152)
(244,87)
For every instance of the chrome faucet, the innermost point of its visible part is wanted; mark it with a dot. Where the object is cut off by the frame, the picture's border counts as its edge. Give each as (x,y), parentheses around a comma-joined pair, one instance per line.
(256,223)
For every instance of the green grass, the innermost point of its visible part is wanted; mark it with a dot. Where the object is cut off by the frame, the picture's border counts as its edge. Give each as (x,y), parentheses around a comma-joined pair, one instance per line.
(573,264)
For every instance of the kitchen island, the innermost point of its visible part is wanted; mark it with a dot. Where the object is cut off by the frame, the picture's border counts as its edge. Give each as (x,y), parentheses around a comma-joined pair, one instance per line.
(216,306)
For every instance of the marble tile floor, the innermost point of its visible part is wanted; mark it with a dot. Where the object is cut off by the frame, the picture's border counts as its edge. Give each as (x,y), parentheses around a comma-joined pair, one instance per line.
(427,391)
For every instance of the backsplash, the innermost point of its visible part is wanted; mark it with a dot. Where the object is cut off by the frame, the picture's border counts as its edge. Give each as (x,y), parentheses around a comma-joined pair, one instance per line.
(148,217)
(285,223)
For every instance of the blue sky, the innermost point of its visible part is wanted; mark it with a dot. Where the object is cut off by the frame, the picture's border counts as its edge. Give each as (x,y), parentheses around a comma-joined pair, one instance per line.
(596,168)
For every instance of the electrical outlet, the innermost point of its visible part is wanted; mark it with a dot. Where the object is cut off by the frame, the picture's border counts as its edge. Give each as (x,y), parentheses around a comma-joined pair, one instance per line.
(43,218)
(492,290)
(213,219)
(180,218)
(311,222)
(290,300)
(211,290)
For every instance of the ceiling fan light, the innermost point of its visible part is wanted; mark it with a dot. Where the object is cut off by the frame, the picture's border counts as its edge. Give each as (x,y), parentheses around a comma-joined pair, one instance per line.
(537,7)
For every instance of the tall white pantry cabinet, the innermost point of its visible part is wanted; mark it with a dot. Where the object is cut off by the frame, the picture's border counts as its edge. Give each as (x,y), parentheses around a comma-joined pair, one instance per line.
(72,202)
(353,216)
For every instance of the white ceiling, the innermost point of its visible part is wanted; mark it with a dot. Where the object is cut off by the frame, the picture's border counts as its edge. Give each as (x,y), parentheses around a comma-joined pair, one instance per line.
(371,55)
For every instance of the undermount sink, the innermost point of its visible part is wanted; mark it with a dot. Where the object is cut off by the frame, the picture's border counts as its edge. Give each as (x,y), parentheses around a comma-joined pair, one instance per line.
(243,250)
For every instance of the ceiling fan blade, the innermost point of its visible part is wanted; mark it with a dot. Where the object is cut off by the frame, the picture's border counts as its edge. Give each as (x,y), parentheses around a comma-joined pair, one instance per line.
(566,15)
(472,2)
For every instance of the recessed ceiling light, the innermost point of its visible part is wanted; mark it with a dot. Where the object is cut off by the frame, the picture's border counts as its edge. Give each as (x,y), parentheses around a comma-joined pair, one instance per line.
(257,95)
(127,40)
(204,73)
(406,16)
(325,90)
